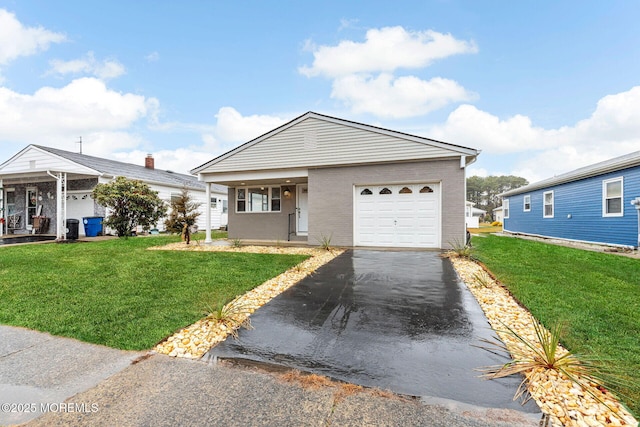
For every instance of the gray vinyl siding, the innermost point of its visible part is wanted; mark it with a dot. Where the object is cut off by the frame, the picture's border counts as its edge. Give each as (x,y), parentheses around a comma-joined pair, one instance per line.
(331,196)
(318,143)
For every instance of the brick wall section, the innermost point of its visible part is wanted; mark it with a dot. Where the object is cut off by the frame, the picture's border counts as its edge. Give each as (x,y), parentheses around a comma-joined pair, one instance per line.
(331,196)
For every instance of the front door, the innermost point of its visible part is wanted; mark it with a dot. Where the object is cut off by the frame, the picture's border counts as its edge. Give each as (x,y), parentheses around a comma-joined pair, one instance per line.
(303,209)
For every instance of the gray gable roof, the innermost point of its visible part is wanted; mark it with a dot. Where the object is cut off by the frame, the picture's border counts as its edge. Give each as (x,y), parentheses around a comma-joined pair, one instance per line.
(612,165)
(129,170)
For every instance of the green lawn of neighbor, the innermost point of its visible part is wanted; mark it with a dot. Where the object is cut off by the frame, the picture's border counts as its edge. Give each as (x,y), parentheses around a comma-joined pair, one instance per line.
(118,293)
(596,295)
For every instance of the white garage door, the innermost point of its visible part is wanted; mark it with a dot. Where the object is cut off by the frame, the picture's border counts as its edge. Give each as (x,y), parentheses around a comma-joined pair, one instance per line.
(406,215)
(79,205)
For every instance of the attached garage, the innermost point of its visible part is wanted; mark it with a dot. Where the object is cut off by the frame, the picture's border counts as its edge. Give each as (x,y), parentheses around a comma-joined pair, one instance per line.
(367,186)
(398,215)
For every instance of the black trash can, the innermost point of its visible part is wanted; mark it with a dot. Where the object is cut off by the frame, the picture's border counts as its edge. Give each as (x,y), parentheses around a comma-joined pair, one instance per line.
(72,229)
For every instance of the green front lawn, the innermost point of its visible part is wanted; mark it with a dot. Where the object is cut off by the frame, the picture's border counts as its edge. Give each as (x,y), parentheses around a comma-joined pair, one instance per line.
(119,294)
(596,295)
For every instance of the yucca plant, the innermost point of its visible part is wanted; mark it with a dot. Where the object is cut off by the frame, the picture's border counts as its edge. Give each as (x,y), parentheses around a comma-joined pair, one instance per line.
(236,243)
(544,353)
(233,315)
(459,249)
(482,279)
(325,242)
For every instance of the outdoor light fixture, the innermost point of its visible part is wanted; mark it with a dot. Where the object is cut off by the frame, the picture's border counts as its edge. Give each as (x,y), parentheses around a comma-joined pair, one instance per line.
(286,193)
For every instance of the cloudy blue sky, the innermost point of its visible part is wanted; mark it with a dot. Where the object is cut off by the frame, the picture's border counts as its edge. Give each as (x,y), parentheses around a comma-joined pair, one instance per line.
(541,87)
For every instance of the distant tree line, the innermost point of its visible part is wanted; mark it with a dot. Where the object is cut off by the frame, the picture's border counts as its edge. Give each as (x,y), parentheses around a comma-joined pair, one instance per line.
(483,191)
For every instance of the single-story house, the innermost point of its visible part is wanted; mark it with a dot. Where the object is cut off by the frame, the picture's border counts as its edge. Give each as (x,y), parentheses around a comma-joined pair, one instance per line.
(43,182)
(591,204)
(472,215)
(319,177)
(498,214)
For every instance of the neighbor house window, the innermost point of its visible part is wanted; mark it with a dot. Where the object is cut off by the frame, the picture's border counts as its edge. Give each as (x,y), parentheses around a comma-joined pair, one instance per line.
(505,208)
(214,203)
(258,199)
(612,197)
(225,206)
(548,204)
(527,203)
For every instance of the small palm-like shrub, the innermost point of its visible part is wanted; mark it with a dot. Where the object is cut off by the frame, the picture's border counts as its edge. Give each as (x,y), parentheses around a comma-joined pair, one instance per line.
(236,243)
(325,242)
(459,249)
(482,279)
(233,316)
(542,354)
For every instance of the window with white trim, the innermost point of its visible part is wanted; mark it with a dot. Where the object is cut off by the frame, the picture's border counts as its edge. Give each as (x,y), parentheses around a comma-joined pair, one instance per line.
(258,199)
(526,203)
(548,204)
(225,206)
(214,203)
(612,197)
(505,208)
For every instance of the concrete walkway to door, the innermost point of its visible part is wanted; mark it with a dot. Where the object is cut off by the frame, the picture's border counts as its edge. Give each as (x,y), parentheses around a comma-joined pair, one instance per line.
(399,321)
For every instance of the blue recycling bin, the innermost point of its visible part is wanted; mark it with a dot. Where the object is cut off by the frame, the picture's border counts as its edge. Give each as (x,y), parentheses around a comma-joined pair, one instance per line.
(92,225)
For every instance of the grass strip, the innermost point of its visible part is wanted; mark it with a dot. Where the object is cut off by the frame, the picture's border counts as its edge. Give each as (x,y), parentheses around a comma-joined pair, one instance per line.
(119,294)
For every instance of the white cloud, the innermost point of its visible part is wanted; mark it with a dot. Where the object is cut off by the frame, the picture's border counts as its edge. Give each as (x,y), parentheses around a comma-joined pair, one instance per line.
(473,171)
(234,127)
(612,130)
(152,57)
(82,107)
(385,50)
(105,69)
(363,76)
(386,96)
(181,160)
(469,126)
(17,40)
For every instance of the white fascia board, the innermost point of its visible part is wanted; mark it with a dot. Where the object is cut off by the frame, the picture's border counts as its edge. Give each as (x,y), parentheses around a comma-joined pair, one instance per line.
(255,176)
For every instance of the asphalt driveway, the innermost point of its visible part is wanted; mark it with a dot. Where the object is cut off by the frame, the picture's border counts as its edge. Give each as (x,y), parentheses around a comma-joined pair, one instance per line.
(400,321)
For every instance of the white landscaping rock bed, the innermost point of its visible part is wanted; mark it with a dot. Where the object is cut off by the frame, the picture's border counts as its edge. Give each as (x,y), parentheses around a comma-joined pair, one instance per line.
(566,403)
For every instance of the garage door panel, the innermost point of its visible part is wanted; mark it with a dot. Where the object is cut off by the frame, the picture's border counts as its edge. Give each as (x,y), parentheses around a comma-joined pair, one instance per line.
(401,216)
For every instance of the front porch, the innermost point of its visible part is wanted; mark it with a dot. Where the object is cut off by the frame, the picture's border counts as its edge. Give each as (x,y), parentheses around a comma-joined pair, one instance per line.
(40,203)
(268,209)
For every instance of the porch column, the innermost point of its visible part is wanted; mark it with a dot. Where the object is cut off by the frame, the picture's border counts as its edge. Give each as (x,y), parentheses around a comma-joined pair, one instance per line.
(2,209)
(60,227)
(207,213)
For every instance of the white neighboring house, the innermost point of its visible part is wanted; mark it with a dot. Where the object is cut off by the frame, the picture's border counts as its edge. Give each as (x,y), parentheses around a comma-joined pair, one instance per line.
(498,214)
(472,215)
(45,182)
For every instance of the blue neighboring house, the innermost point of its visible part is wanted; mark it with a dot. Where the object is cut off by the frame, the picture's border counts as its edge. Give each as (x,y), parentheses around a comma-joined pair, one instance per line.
(590,204)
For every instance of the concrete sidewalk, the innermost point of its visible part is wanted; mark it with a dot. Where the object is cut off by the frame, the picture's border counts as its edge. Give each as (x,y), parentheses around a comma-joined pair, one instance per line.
(164,391)
(64,382)
(38,369)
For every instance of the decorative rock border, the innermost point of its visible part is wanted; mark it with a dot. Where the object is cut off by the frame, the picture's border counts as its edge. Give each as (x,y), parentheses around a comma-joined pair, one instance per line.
(195,340)
(565,402)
